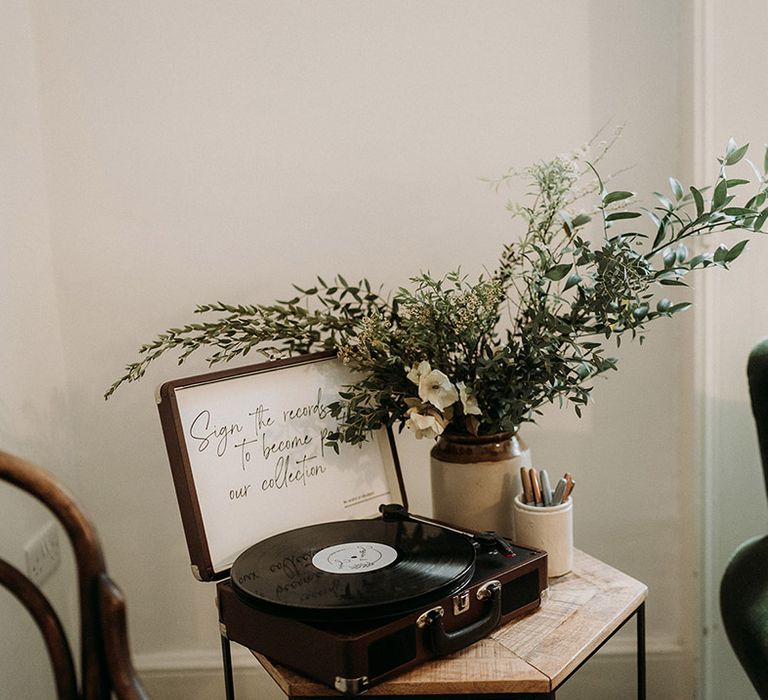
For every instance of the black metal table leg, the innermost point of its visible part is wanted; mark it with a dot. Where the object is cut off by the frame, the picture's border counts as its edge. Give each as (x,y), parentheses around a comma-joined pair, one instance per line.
(229,681)
(641,651)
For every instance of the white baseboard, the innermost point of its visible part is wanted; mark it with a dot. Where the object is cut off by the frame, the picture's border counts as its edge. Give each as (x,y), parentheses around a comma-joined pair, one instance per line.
(609,675)
(199,676)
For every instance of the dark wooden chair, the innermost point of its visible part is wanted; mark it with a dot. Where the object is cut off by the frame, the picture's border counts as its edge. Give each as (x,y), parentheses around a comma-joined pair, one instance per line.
(744,587)
(105,656)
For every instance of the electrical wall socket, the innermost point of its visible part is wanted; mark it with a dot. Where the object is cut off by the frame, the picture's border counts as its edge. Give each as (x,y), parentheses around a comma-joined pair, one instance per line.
(43,553)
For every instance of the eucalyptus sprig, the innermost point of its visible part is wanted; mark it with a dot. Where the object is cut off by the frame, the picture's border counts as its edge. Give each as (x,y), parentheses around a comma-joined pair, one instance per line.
(483,356)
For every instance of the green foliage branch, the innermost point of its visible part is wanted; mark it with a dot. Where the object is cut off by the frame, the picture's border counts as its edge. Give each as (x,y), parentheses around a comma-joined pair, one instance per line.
(484,356)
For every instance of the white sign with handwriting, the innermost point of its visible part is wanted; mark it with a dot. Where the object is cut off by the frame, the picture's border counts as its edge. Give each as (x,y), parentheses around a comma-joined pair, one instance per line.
(260,465)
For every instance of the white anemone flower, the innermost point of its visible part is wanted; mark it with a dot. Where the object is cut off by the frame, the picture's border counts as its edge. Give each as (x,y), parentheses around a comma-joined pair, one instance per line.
(423,426)
(468,400)
(436,388)
(418,371)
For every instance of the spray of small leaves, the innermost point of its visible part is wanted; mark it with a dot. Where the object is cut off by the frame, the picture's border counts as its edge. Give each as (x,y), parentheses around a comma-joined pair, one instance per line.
(483,356)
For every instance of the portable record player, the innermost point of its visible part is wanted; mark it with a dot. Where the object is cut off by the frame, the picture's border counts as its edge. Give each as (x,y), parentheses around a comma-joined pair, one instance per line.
(307,574)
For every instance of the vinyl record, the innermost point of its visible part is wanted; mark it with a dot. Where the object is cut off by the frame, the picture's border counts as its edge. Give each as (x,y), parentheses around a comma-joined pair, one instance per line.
(353,570)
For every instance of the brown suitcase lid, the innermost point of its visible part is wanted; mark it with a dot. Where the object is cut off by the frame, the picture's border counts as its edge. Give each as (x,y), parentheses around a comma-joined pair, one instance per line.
(248,461)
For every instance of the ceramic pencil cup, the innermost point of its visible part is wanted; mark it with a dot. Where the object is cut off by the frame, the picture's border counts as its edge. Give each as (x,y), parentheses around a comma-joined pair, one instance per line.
(549,528)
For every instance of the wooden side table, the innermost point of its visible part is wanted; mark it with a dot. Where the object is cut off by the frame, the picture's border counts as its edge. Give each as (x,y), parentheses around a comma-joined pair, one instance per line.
(526,659)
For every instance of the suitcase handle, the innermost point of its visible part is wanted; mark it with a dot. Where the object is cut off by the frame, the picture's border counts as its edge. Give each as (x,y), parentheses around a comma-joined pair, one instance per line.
(442,642)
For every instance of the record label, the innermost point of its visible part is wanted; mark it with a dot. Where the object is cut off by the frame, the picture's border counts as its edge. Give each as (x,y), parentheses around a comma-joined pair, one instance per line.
(354,557)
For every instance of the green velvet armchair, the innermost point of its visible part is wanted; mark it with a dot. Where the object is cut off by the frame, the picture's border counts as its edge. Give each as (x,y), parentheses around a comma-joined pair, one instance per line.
(744,587)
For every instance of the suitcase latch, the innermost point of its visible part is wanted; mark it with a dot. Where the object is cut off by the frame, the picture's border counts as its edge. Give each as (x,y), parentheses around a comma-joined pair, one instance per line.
(461,603)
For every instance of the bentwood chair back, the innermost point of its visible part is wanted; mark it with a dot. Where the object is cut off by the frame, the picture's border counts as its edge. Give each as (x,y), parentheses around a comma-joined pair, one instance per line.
(105,657)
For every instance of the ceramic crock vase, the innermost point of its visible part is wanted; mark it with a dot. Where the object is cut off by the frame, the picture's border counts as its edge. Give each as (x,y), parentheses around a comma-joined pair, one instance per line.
(475,480)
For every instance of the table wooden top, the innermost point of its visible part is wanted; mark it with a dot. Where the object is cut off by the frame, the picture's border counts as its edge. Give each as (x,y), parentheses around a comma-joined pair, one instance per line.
(534,654)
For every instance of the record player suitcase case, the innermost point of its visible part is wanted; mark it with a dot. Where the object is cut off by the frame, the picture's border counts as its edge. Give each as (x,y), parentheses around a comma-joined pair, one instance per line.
(318,582)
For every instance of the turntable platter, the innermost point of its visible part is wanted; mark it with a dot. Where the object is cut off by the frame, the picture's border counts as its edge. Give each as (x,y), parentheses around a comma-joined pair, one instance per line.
(353,570)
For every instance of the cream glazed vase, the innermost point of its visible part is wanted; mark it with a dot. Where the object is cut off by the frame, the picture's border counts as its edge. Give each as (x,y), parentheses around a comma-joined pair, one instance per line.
(475,480)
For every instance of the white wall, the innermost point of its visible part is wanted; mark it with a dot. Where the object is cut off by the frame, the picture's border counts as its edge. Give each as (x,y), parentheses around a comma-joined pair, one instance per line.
(34,417)
(200,151)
